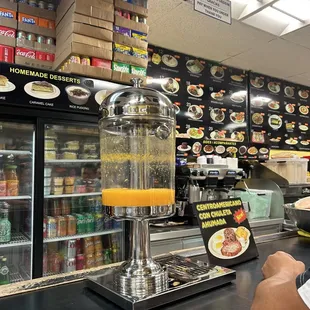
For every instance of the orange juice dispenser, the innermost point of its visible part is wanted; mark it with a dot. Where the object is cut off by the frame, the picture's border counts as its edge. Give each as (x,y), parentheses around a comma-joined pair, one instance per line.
(137,145)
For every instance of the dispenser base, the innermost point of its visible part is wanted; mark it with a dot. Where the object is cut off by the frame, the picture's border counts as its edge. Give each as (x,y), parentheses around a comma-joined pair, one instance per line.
(199,278)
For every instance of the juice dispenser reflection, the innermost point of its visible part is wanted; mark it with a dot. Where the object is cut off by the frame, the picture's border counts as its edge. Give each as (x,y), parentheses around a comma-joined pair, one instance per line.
(137,140)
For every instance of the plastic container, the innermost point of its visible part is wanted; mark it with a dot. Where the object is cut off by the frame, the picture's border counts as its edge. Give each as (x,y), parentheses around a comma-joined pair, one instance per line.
(294,170)
(69,189)
(47,181)
(69,155)
(50,154)
(47,172)
(58,190)
(47,190)
(69,181)
(58,181)
(259,202)
(50,144)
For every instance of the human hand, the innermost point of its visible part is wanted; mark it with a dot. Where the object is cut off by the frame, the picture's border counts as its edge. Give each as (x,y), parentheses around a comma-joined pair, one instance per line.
(282,263)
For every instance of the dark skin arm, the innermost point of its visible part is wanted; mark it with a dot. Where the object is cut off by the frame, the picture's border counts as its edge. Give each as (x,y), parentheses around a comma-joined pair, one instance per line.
(278,291)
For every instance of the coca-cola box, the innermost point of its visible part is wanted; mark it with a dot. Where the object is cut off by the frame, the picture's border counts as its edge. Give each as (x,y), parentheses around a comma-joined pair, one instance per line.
(7,36)
(25,52)
(50,90)
(6,53)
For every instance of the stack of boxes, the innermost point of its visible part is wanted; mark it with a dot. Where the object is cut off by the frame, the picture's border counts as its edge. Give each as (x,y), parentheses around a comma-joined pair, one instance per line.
(8,26)
(84,37)
(130,57)
(35,42)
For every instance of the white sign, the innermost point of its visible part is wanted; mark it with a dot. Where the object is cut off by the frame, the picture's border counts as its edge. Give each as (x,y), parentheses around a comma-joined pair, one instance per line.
(218,9)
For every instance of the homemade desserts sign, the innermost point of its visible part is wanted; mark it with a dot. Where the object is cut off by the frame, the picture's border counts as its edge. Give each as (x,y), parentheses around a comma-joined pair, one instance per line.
(226,232)
(25,86)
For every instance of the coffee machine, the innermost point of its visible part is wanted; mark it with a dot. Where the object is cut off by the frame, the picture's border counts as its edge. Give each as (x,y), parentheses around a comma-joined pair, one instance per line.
(137,148)
(202,182)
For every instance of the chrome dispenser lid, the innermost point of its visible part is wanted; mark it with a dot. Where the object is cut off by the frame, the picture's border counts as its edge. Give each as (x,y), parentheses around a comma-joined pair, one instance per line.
(136,101)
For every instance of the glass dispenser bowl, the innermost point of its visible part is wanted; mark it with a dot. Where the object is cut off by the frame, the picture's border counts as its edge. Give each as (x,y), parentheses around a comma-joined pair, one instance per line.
(137,146)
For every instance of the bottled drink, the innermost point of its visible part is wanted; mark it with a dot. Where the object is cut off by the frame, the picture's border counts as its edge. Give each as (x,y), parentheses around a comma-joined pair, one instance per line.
(3,185)
(5,224)
(4,272)
(12,181)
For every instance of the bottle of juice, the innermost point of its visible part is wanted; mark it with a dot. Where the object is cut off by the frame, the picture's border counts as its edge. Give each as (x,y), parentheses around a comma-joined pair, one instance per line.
(11,180)
(3,185)
(5,224)
(4,272)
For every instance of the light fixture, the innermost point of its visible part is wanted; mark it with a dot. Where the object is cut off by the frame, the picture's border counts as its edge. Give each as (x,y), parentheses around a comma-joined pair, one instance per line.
(277,16)
(299,9)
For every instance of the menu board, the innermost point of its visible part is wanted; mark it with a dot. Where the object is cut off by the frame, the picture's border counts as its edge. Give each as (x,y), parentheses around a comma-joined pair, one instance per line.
(279,113)
(225,231)
(25,86)
(210,99)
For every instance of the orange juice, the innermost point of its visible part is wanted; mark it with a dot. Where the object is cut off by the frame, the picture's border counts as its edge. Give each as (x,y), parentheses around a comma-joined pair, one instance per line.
(125,197)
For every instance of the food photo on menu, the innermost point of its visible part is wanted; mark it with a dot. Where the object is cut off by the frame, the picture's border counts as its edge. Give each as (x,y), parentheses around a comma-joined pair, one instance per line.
(6,85)
(42,90)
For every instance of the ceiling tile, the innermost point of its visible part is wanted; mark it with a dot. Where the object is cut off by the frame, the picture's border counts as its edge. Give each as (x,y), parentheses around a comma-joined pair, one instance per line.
(159,8)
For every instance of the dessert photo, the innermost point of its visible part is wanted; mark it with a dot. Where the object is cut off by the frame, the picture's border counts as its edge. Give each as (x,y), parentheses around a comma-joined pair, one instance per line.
(229,243)
(78,95)
(101,95)
(42,90)
(6,85)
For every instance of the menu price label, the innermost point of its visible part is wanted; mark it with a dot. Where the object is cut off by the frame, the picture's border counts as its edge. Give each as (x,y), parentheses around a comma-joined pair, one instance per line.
(225,231)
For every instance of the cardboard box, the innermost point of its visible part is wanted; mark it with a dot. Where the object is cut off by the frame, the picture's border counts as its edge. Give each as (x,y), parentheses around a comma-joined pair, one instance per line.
(25,52)
(94,72)
(127,23)
(133,42)
(28,19)
(7,13)
(80,49)
(6,53)
(77,38)
(42,13)
(45,47)
(71,17)
(101,9)
(7,36)
(47,23)
(8,22)
(126,77)
(86,30)
(34,63)
(121,4)
(8,5)
(132,60)
(37,30)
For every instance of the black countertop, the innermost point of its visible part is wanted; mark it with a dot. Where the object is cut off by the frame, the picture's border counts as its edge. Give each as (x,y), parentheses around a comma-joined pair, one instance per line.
(237,295)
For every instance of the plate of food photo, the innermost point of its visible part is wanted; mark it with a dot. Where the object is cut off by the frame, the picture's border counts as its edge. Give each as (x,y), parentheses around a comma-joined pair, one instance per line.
(197,147)
(208,149)
(5,85)
(289,91)
(257,118)
(257,82)
(195,90)
(218,135)
(290,108)
(169,60)
(217,72)
(237,117)
(229,243)
(170,85)
(195,133)
(237,136)
(42,90)
(78,95)
(217,115)
(274,87)
(195,112)
(237,78)
(194,66)
(304,94)
(218,95)
(238,97)
(274,105)
(304,110)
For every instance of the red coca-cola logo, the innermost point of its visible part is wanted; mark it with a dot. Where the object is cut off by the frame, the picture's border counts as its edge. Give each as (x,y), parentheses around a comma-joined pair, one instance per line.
(26,53)
(7,32)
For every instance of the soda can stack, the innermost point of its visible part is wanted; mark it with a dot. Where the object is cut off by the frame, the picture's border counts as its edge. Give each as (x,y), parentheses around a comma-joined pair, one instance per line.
(69,263)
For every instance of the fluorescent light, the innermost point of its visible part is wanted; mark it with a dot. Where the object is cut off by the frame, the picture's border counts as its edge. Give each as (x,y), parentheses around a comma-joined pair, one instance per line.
(297,8)
(271,13)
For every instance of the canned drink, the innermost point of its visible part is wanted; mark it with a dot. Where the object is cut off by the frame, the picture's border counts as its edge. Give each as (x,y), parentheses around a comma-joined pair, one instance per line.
(31,37)
(55,207)
(116,224)
(80,262)
(71,225)
(61,225)
(98,244)
(51,7)
(85,60)
(118,12)
(135,18)
(89,247)
(41,39)
(69,264)
(45,227)
(90,223)
(65,205)
(90,261)
(126,15)
(142,20)
(99,222)
(51,231)
(107,223)
(54,263)
(21,35)
(76,59)
(70,248)
(50,41)
(33,3)
(41,4)
(80,224)
(98,259)
(79,247)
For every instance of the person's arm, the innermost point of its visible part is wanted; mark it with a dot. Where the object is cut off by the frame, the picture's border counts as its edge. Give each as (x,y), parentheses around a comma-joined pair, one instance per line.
(279,290)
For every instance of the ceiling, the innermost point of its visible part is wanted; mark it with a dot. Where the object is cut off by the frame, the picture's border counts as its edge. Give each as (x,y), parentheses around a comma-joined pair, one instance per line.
(175,25)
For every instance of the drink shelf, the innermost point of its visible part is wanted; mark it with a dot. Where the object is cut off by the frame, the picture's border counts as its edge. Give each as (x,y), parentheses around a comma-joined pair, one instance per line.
(14,197)
(71,161)
(18,275)
(14,152)
(17,239)
(73,195)
(97,233)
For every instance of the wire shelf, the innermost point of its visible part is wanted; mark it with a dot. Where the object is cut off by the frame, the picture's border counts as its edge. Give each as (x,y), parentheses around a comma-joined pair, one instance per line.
(17,239)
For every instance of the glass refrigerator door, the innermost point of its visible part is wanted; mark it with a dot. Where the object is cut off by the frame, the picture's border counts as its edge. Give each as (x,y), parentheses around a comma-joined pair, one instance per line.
(76,233)
(16,201)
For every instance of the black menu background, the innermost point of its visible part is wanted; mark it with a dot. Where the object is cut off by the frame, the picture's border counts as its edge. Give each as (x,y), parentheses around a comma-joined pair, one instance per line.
(210,85)
(284,105)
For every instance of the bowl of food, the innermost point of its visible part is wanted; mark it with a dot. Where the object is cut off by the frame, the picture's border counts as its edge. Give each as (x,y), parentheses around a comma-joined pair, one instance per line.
(77,95)
(299,213)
